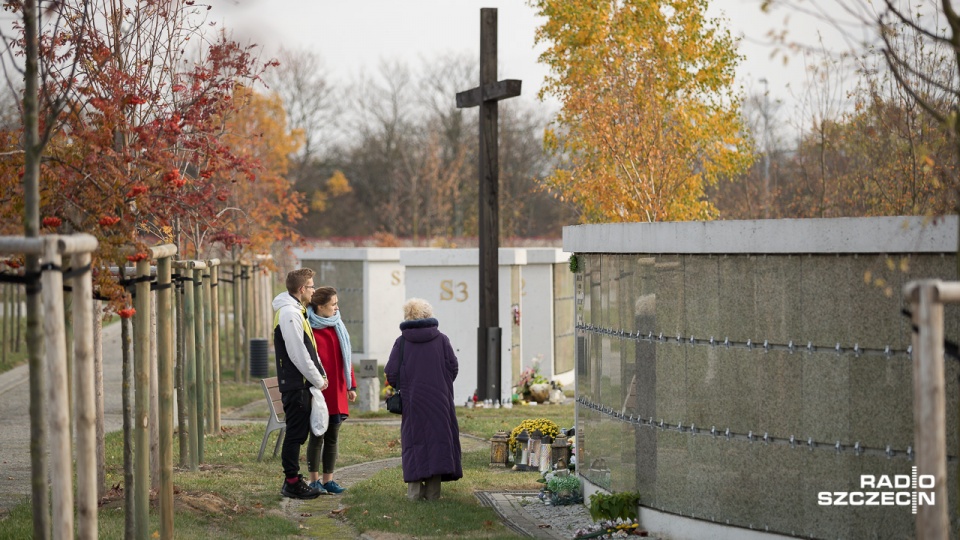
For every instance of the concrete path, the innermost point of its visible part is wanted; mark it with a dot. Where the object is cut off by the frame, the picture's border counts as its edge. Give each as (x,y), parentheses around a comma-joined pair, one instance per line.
(15,419)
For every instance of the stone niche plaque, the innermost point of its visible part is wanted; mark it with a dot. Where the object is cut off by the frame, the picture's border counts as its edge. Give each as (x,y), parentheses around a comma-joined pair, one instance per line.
(368,368)
(449,280)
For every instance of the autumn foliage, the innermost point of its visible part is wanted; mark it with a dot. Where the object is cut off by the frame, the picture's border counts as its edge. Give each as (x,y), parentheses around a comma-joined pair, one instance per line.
(149,146)
(649,116)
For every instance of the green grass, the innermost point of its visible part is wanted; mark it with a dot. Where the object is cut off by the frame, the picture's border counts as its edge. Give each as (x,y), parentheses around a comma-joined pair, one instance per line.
(233,496)
(13,359)
(233,394)
(380,503)
(485,422)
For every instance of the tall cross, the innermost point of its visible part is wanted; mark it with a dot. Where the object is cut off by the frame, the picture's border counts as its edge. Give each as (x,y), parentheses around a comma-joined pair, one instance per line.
(486,97)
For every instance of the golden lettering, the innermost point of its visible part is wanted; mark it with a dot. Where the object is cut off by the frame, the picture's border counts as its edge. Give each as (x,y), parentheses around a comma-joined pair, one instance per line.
(446,289)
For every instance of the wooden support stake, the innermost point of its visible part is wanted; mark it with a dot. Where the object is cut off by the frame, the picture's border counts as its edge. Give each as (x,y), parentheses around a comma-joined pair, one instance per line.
(190,370)
(57,392)
(929,405)
(141,377)
(208,351)
(165,394)
(83,344)
(215,339)
(238,339)
(199,358)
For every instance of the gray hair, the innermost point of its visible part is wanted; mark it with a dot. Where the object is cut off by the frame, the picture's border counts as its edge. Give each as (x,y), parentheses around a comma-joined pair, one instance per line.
(417,308)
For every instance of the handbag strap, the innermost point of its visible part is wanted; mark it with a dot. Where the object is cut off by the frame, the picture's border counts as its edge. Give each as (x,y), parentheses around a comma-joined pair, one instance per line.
(402,341)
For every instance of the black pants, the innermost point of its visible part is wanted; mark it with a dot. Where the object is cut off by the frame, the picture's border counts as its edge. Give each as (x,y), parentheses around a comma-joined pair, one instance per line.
(323,449)
(296,411)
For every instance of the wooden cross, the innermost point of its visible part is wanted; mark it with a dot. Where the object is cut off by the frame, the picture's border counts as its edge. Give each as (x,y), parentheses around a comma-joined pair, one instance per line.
(486,97)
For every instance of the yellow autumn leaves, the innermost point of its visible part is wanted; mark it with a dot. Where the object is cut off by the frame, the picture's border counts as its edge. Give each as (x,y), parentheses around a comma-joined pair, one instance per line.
(649,116)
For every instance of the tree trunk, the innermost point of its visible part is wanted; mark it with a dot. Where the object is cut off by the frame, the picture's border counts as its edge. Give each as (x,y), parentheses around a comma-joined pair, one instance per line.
(98,396)
(179,380)
(31,224)
(129,519)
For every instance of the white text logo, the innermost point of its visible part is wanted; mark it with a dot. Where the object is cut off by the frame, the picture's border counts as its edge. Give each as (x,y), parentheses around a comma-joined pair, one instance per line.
(898,490)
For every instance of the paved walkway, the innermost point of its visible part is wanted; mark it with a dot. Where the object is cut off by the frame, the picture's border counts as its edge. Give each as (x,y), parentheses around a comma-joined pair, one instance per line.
(321,513)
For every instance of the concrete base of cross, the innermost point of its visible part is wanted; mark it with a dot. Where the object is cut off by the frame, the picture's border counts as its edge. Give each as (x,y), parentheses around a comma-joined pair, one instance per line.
(368,394)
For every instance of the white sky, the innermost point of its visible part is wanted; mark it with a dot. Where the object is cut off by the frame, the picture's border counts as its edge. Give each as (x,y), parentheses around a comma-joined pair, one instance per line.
(355,35)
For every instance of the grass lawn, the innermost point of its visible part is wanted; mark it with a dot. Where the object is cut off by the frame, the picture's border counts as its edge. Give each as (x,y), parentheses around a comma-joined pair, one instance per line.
(234,496)
(10,358)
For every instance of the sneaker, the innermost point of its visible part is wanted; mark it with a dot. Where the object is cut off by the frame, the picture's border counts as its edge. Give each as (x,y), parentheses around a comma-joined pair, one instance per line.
(298,490)
(333,487)
(318,485)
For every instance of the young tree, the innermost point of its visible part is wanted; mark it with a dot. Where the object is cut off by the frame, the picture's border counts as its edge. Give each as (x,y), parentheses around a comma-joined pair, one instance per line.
(649,115)
(36,27)
(141,146)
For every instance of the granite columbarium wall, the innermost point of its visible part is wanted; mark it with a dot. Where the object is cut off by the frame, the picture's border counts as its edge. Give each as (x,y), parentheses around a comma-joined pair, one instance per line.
(732,371)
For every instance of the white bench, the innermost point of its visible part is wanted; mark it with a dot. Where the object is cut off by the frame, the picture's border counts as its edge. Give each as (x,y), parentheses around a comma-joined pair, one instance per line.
(272,393)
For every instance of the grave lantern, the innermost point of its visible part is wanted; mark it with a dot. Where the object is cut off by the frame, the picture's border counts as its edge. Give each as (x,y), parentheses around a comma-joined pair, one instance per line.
(561,450)
(533,451)
(498,449)
(546,454)
(520,454)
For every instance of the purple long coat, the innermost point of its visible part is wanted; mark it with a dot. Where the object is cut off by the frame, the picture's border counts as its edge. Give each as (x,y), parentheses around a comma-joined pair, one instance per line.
(429,434)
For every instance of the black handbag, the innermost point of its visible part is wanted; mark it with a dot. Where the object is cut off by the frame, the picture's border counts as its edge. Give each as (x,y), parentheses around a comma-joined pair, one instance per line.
(394,404)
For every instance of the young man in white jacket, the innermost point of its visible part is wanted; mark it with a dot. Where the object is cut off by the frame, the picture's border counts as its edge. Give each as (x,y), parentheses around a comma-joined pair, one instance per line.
(298,369)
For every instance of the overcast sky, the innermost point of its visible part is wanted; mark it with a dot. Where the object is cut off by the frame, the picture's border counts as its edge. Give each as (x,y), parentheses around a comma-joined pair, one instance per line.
(356,35)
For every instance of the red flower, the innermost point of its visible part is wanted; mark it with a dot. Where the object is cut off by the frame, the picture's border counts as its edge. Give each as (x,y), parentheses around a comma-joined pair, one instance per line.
(137,189)
(109,221)
(138,257)
(178,88)
(127,313)
(52,222)
(133,99)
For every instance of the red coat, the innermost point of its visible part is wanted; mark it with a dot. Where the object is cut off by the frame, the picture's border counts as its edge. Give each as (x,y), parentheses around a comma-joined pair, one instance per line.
(331,357)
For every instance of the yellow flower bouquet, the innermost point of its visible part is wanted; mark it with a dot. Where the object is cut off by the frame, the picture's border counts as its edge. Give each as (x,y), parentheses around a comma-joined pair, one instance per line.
(546,428)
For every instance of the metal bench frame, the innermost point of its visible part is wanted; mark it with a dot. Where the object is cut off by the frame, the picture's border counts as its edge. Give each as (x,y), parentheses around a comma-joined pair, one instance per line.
(272,393)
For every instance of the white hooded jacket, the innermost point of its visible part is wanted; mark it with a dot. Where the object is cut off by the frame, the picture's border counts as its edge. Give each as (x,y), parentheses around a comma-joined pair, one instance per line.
(296,333)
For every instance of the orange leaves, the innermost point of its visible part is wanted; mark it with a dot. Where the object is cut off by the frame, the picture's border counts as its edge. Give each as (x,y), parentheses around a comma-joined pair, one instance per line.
(52,222)
(108,221)
(127,313)
(137,257)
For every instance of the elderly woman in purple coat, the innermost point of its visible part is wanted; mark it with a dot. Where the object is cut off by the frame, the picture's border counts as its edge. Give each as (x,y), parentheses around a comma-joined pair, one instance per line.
(429,435)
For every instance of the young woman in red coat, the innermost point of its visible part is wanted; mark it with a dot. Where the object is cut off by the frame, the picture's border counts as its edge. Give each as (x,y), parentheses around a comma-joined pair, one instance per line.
(333,347)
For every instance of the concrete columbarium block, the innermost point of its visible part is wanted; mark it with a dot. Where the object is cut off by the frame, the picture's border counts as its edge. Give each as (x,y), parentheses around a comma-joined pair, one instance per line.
(449,280)
(370,290)
(547,329)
